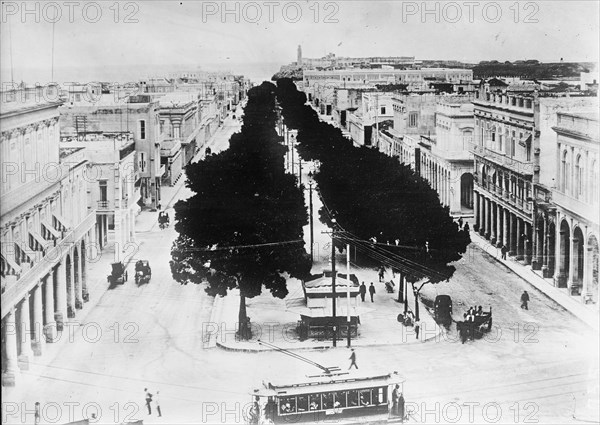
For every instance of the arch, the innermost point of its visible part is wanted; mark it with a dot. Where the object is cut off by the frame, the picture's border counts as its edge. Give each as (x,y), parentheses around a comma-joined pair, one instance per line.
(466,191)
(578,244)
(564,256)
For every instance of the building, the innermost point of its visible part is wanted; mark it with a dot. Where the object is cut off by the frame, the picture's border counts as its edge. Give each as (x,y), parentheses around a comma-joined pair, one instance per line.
(511,185)
(446,162)
(180,119)
(47,230)
(576,198)
(137,114)
(111,185)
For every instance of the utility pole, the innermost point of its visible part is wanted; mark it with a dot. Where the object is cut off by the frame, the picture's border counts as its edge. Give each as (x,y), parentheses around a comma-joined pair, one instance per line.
(333,221)
(349,329)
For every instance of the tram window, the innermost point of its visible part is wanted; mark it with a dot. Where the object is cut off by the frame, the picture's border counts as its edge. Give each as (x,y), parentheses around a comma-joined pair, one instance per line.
(327,400)
(315,401)
(353,398)
(287,405)
(340,399)
(365,397)
(302,403)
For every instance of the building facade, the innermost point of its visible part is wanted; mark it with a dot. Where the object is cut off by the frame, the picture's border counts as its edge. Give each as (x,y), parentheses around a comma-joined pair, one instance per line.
(47,232)
(111,184)
(576,197)
(137,114)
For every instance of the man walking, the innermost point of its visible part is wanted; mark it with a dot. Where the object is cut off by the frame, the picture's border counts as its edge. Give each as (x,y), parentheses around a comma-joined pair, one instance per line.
(362,291)
(148,400)
(460,222)
(353,360)
(503,250)
(524,300)
(381,273)
(372,291)
(157,403)
(417,328)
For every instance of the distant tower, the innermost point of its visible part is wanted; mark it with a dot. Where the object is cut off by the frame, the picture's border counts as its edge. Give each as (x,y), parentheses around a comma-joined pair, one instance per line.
(299,55)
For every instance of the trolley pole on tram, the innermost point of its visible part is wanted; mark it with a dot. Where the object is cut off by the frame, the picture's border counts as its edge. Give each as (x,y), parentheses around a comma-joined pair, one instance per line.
(333,221)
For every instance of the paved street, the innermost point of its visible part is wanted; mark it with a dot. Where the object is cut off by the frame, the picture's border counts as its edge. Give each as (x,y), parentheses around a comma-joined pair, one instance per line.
(536,364)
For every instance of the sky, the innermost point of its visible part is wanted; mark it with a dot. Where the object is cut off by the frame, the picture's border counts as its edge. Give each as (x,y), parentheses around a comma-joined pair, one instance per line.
(109,40)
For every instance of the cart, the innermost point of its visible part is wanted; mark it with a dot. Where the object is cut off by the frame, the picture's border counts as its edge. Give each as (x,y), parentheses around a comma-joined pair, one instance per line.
(118,275)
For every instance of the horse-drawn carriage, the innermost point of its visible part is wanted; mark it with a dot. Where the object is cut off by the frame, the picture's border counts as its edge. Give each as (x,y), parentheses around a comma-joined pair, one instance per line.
(476,323)
(118,274)
(143,272)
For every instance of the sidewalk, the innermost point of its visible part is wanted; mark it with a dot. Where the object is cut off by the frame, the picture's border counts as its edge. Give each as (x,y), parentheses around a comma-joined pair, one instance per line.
(273,323)
(586,313)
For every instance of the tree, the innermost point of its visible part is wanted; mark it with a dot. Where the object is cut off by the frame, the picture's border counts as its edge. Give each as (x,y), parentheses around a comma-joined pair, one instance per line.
(242,228)
(376,197)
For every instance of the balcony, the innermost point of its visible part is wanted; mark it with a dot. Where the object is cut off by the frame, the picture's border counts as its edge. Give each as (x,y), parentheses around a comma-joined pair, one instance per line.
(520,167)
(31,276)
(103,205)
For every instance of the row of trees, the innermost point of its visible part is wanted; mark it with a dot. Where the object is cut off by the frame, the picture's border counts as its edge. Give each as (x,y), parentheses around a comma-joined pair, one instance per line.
(374,196)
(242,228)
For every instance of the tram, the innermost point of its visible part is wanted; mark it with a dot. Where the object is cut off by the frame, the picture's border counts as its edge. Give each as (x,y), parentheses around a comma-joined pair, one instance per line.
(342,397)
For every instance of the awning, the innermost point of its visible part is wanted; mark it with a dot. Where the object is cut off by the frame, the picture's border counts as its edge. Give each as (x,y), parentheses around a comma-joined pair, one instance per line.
(51,230)
(39,239)
(9,257)
(25,250)
(61,220)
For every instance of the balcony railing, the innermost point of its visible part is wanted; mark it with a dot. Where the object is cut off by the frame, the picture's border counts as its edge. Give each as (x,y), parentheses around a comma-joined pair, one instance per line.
(102,205)
(521,167)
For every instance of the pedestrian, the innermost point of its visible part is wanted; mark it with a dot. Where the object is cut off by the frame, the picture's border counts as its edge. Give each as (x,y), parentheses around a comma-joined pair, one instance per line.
(353,360)
(401,407)
(372,291)
(466,228)
(524,300)
(417,328)
(503,250)
(395,396)
(148,400)
(460,222)
(362,291)
(157,403)
(255,419)
(381,273)
(37,413)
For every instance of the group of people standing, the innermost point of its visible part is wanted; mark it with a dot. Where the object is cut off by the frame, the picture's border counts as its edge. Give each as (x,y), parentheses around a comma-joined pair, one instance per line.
(363,291)
(152,399)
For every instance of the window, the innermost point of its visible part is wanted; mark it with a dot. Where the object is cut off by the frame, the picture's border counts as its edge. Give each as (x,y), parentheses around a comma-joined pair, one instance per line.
(412,119)
(142,163)
(578,177)
(383,110)
(142,129)
(528,152)
(564,173)
(103,186)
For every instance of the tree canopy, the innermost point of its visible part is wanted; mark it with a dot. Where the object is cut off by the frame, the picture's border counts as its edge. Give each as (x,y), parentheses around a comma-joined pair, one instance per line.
(376,196)
(242,228)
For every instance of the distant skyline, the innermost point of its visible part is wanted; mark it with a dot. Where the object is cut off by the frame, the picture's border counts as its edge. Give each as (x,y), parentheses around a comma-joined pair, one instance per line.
(188,34)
